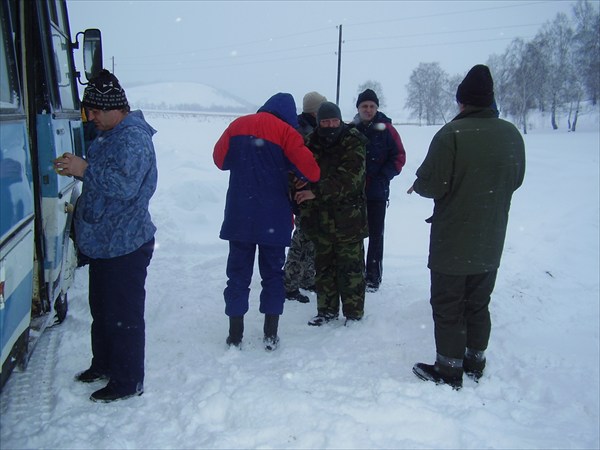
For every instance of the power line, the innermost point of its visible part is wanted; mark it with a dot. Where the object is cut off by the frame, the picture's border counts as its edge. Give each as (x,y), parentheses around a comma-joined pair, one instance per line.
(252,55)
(305,47)
(433,45)
(453,13)
(312,56)
(435,33)
(318,30)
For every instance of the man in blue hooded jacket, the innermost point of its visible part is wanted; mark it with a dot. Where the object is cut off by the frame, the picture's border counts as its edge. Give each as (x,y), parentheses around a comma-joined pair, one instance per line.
(114,230)
(260,150)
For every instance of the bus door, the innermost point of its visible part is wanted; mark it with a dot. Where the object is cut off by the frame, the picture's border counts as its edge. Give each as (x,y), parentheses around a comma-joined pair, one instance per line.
(16,204)
(54,114)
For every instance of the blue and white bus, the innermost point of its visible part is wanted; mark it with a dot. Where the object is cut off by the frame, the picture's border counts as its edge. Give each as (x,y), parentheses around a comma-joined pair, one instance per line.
(40,119)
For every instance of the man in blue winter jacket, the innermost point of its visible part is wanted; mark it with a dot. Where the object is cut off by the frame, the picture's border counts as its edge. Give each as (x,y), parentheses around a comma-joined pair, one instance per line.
(260,150)
(385,159)
(113,229)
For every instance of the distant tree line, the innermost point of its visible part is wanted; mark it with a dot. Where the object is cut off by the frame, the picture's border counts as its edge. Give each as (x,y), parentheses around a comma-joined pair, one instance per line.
(553,73)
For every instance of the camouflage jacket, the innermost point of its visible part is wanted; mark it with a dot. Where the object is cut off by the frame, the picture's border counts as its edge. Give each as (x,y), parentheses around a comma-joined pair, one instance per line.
(338,211)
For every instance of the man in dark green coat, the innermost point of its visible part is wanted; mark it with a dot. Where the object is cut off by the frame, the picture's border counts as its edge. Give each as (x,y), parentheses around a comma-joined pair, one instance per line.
(335,216)
(473,166)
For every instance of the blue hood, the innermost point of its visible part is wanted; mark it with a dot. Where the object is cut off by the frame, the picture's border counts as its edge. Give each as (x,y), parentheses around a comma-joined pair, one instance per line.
(283,106)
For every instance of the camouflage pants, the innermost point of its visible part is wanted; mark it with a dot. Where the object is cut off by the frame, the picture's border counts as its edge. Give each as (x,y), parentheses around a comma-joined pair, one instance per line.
(300,263)
(340,276)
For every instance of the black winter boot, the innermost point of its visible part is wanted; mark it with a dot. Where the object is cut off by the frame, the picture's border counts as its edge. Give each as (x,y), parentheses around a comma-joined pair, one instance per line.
(297,295)
(322,318)
(474,364)
(90,375)
(445,371)
(271,340)
(236,331)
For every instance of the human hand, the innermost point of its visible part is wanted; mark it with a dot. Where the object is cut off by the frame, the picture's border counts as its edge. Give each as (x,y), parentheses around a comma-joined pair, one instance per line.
(301,196)
(70,165)
(299,184)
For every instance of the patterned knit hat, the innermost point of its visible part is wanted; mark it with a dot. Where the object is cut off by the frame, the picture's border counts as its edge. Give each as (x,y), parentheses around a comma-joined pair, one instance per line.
(312,101)
(104,92)
(477,88)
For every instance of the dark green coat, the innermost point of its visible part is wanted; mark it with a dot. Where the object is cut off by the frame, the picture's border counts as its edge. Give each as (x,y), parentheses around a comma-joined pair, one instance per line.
(338,213)
(473,166)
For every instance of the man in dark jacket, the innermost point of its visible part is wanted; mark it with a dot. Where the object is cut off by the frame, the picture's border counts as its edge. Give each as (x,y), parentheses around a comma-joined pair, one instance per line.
(260,150)
(300,263)
(333,215)
(307,120)
(385,159)
(473,166)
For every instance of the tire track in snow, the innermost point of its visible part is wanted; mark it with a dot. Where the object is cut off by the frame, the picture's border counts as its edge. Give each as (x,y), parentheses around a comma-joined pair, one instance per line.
(34,385)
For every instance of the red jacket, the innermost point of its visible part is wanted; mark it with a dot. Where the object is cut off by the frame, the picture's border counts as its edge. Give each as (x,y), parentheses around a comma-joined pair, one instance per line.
(260,150)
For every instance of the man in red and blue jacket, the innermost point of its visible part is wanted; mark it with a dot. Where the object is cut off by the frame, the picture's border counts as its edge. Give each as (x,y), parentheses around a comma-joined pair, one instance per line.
(260,150)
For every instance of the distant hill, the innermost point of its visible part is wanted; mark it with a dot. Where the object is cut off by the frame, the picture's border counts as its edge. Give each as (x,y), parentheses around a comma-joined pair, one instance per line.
(181,96)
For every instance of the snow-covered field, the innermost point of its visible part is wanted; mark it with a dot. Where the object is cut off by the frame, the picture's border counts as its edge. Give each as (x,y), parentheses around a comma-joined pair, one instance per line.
(336,386)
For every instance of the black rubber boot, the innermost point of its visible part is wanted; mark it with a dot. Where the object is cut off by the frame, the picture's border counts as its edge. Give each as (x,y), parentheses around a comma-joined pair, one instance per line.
(236,331)
(474,364)
(271,340)
(445,371)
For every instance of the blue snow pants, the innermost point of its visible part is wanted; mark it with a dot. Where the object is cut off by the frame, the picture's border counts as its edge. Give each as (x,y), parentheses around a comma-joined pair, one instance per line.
(240,265)
(117,298)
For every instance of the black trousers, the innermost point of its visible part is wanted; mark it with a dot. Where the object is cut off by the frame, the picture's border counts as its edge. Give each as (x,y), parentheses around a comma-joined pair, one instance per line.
(460,312)
(117,299)
(376,219)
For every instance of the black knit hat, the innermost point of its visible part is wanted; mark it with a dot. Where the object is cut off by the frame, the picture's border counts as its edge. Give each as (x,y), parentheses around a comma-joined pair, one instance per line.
(477,88)
(104,92)
(367,95)
(328,110)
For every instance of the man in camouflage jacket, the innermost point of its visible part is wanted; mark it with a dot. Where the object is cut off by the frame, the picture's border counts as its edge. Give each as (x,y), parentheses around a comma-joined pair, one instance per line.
(300,262)
(335,217)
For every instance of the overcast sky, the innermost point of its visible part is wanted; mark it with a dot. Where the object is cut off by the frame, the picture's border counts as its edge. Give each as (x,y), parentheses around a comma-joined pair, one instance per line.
(254,49)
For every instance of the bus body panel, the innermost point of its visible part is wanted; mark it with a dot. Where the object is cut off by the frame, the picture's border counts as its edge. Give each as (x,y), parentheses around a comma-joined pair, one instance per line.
(14,312)
(40,119)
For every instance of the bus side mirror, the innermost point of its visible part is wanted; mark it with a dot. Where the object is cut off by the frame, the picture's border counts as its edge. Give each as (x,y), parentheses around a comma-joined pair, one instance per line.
(92,52)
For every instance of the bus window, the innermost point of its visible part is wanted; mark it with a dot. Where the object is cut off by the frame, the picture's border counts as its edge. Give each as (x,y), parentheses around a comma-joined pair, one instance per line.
(57,14)
(9,97)
(64,75)
(61,48)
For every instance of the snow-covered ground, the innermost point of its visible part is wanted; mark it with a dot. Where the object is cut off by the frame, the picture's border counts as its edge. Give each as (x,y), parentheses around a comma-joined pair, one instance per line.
(336,386)
(189,96)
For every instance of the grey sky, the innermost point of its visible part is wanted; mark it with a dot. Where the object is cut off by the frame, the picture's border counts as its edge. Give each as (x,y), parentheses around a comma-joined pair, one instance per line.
(254,49)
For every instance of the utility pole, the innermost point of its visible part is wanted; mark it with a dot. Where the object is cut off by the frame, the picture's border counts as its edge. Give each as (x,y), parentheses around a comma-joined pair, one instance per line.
(113,65)
(337,95)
